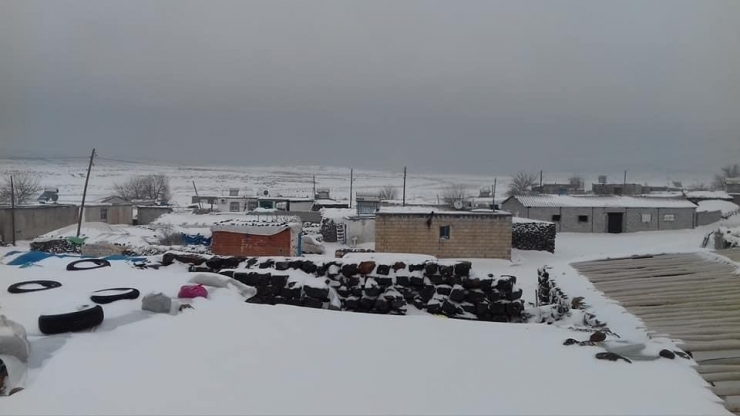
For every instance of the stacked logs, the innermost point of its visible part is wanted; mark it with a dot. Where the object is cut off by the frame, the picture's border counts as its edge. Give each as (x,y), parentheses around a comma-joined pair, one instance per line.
(535,235)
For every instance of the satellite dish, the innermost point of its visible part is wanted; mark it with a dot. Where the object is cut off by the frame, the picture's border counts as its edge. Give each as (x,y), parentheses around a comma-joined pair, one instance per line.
(457,204)
(266,192)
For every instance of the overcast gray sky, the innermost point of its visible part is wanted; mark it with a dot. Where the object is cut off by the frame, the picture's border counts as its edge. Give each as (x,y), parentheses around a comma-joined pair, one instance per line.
(447,86)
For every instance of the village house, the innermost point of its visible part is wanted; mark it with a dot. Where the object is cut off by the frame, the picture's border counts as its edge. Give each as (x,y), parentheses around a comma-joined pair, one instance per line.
(444,234)
(602,214)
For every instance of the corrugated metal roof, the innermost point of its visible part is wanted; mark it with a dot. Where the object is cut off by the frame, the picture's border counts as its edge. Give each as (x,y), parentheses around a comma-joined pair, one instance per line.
(557,201)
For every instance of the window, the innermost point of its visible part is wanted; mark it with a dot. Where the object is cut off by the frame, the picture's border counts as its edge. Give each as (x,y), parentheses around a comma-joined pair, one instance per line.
(647,218)
(583,218)
(103,214)
(444,232)
(556,218)
(669,217)
(234,206)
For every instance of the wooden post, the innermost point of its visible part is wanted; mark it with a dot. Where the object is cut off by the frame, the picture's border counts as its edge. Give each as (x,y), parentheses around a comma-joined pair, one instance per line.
(351,181)
(493,194)
(84,193)
(196,195)
(12,211)
(404,186)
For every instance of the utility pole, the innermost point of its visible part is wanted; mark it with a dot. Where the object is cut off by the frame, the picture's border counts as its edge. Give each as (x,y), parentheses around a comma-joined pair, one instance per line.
(12,211)
(404,186)
(84,193)
(540,178)
(625,178)
(314,186)
(493,194)
(351,181)
(196,195)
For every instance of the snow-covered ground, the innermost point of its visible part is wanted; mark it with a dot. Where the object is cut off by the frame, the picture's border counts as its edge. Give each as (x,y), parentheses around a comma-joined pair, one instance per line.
(229,357)
(69,176)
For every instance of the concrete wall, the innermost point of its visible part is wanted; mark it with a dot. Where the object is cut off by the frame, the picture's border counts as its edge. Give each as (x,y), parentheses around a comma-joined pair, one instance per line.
(706,218)
(117,214)
(362,228)
(147,215)
(598,217)
(305,216)
(33,221)
(472,235)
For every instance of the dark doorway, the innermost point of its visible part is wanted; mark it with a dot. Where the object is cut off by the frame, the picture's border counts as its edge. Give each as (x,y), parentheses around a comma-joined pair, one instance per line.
(614,223)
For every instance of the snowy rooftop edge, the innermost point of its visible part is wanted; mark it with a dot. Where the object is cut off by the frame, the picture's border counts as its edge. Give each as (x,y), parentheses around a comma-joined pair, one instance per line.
(427,211)
(556,201)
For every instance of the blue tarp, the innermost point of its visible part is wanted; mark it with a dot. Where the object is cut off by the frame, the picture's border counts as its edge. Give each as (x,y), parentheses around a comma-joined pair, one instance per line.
(31,257)
(195,240)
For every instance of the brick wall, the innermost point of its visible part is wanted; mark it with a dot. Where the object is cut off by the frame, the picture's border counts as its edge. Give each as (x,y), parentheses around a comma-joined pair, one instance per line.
(472,235)
(238,244)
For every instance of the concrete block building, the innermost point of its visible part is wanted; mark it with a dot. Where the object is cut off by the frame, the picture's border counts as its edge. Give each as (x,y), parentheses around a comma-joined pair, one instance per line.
(602,214)
(239,238)
(444,234)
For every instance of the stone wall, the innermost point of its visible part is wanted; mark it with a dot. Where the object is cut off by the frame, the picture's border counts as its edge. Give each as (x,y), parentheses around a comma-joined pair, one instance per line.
(536,236)
(706,218)
(472,234)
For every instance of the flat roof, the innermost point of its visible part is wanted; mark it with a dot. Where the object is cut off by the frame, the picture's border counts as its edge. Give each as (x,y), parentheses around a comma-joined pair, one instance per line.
(427,211)
(586,201)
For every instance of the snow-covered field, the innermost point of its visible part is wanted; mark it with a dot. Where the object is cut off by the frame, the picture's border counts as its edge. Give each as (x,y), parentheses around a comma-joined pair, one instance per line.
(229,357)
(69,176)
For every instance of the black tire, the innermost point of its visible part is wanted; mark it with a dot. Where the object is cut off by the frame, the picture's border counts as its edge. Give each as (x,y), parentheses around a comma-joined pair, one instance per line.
(86,317)
(123,293)
(47,284)
(98,264)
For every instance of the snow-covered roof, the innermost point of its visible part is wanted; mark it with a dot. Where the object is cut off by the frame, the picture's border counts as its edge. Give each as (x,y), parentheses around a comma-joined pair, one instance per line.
(518,220)
(709,195)
(726,207)
(428,210)
(557,201)
(329,202)
(191,220)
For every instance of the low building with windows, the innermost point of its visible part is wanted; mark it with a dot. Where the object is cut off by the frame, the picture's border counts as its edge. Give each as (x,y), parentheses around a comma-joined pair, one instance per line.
(605,214)
(443,234)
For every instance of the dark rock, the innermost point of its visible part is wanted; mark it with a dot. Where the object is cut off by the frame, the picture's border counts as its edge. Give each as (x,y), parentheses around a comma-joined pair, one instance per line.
(242,277)
(598,336)
(471,283)
(434,307)
(254,299)
(504,286)
(294,264)
(266,291)
(494,296)
(427,292)
(437,279)
(366,267)
(356,291)
(294,301)
(457,294)
(383,270)
(350,270)
(514,295)
(468,307)
(398,304)
(446,271)
(486,285)
(403,281)
(610,356)
(384,281)
(267,264)
(287,293)
(481,307)
(373,290)
(398,266)
(667,354)
(497,308)
(199,269)
(475,296)
(343,291)
(282,265)
(279,280)
(382,305)
(366,303)
(420,304)
(169,258)
(444,290)
(454,280)
(353,281)
(227,273)
(415,267)
(321,271)
(500,318)
(310,302)
(449,308)
(417,281)
(278,300)
(309,267)
(462,269)
(352,303)
(262,279)
(509,278)
(251,262)
(406,293)
(430,269)
(317,293)
(514,309)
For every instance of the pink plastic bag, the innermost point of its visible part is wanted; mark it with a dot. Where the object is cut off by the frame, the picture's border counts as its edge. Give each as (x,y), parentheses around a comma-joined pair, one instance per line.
(193,291)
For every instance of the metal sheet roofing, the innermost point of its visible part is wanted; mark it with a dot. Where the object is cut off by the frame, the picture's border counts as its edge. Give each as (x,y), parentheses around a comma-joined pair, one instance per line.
(557,201)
